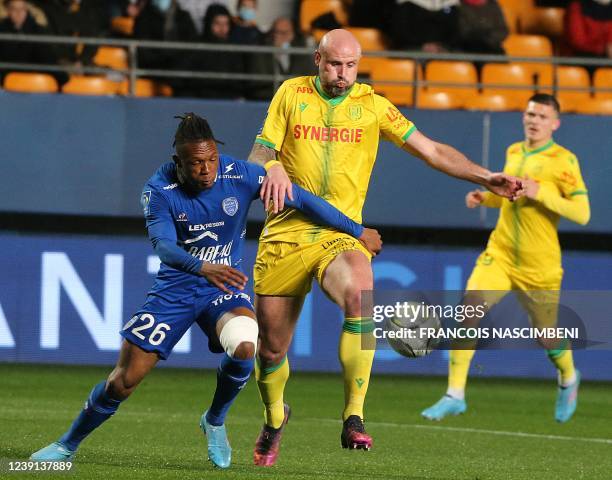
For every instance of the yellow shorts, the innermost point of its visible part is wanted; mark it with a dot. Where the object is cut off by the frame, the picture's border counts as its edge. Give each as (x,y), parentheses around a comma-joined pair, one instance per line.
(538,291)
(286,269)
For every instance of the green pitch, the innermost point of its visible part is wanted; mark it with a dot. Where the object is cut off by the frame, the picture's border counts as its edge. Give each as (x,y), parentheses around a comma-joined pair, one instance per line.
(507,433)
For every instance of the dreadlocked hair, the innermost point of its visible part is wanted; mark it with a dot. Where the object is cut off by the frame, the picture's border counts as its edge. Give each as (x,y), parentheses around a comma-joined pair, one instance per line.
(192,128)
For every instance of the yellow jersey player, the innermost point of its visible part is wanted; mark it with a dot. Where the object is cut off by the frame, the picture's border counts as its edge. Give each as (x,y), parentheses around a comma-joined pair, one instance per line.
(322,133)
(523,252)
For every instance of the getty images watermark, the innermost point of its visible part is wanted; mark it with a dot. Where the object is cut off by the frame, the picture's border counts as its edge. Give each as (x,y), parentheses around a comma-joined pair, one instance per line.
(491,319)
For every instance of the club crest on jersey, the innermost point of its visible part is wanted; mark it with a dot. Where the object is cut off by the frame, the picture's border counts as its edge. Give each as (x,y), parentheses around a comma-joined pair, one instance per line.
(354,111)
(145,200)
(230,206)
(182,217)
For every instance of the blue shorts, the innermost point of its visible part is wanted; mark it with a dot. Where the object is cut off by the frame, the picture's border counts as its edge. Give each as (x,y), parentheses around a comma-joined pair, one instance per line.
(163,319)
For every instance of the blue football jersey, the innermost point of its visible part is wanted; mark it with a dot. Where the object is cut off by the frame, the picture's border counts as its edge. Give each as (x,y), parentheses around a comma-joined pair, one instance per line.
(209,225)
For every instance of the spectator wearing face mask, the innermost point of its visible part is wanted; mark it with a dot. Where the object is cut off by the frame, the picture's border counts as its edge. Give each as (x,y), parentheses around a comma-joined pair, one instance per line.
(246,30)
(197,10)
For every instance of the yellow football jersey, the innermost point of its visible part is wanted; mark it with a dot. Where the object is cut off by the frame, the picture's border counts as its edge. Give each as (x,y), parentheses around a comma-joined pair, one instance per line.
(327,146)
(527,229)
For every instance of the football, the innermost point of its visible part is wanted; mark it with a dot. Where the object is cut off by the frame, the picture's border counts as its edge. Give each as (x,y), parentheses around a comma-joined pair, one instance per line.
(413,336)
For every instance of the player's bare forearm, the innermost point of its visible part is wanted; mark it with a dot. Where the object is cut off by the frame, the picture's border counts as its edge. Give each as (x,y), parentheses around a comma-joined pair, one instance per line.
(452,162)
(260,154)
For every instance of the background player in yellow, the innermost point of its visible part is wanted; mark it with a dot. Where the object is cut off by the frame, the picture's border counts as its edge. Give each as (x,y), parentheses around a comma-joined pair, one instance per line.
(523,251)
(322,133)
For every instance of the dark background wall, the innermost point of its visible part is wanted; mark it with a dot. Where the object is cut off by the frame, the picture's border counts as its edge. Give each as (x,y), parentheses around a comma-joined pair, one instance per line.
(90,156)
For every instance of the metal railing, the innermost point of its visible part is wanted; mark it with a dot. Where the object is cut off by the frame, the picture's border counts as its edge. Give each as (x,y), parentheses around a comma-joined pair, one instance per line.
(276,78)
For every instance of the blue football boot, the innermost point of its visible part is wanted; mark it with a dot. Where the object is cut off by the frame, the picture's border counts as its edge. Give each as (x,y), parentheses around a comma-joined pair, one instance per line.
(567,400)
(55,452)
(219,450)
(444,407)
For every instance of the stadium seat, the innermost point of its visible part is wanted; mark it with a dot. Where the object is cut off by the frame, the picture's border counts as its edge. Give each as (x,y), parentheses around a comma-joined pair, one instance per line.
(463,73)
(569,76)
(547,21)
(595,107)
(603,79)
(112,57)
(388,70)
(146,88)
(490,102)
(30,82)
(311,9)
(371,39)
(439,100)
(517,45)
(82,85)
(512,12)
(508,74)
(123,25)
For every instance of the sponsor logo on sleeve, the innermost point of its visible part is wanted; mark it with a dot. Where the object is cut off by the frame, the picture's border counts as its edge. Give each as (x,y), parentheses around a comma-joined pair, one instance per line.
(145,201)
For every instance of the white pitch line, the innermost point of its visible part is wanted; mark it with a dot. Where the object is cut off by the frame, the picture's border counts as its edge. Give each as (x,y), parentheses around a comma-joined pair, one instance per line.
(607,441)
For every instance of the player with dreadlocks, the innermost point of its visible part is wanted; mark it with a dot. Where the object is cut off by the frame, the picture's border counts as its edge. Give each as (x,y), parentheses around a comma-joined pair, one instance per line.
(196,210)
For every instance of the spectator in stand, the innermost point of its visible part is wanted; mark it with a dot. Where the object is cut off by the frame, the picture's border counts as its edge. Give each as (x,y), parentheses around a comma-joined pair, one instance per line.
(246,31)
(165,20)
(480,28)
(217,30)
(282,34)
(197,10)
(71,18)
(37,14)
(588,29)
(426,25)
(20,21)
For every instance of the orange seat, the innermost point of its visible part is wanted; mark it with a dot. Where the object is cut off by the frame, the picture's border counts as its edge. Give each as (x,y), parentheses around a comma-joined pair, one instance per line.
(386,70)
(82,85)
(371,39)
(112,57)
(547,21)
(513,12)
(439,100)
(490,102)
(463,73)
(517,45)
(146,88)
(595,107)
(504,75)
(311,9)
(603,79)
(30,82)
(123,25)
(573,77)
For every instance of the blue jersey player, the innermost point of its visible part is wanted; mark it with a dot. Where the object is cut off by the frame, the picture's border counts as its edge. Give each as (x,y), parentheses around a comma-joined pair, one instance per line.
(196,210)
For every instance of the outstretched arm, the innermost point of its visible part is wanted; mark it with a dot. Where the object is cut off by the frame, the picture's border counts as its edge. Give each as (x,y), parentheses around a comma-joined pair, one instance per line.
(452,162)
(325,214)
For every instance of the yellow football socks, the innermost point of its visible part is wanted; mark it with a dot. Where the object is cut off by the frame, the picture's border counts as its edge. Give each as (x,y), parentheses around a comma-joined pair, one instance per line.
(271,382)
(563,359)
(356,353)
(458,367)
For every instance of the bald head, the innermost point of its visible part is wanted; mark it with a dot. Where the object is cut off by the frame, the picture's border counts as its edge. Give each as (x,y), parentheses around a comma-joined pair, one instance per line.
(338,58)
(340,41)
